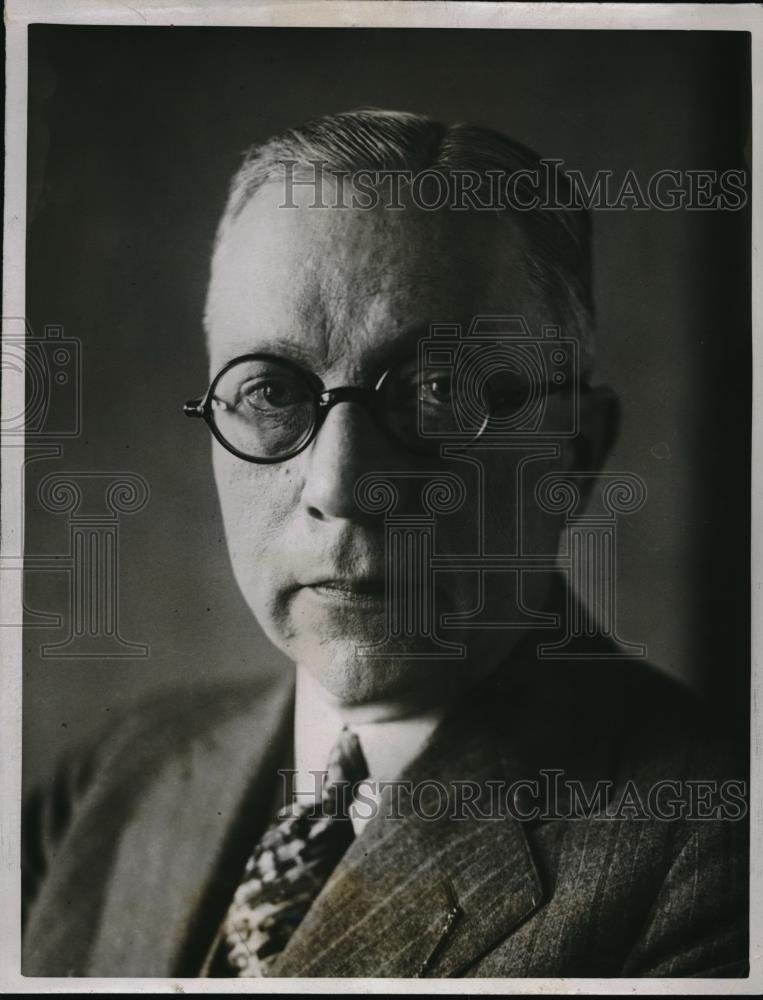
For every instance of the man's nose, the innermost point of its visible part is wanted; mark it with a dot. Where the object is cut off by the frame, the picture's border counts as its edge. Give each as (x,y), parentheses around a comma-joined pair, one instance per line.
(348,445)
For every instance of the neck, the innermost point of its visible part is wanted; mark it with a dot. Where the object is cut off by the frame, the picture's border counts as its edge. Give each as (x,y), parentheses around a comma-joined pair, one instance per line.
(391,710)
(390,733)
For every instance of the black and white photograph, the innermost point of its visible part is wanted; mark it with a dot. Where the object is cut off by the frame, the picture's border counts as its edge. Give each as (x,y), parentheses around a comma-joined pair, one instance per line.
(378,569)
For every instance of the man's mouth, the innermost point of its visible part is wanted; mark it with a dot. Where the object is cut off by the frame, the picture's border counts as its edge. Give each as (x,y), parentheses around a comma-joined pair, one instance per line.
(359,590)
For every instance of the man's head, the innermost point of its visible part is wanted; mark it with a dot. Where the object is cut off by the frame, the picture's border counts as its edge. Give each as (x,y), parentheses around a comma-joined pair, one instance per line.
(347,293)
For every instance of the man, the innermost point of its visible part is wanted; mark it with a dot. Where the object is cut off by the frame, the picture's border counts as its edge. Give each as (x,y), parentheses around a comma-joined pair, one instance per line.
(366,484)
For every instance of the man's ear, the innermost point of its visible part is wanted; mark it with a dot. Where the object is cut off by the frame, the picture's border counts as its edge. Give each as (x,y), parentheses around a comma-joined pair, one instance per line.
(599,426)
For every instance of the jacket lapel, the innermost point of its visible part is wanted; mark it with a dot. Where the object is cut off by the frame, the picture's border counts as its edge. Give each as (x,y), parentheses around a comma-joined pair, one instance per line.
(418,896)
(177,860)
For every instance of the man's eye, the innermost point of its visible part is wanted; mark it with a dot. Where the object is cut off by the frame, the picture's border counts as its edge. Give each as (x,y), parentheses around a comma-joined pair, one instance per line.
(437,390)
(266,395)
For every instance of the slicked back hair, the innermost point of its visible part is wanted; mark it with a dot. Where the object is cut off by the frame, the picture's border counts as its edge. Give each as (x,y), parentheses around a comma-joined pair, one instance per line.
(559,256)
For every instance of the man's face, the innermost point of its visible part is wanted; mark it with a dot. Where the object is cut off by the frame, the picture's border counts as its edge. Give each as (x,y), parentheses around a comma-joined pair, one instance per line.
(347,293)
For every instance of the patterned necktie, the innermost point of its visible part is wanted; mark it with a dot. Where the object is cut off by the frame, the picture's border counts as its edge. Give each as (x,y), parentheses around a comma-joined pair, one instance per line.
(291,864)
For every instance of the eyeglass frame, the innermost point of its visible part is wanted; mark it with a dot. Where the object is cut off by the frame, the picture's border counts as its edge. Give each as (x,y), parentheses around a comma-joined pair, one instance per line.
(324,400)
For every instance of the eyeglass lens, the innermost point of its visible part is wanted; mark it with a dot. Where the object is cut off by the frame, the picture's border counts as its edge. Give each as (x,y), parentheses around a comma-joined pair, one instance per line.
(266,408)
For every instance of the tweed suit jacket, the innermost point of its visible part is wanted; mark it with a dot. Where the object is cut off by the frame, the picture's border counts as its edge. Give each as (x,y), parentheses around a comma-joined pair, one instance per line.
(131,859)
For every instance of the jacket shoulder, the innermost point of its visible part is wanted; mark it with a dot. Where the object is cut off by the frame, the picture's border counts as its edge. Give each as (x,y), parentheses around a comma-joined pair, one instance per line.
(170,716)
(614,714)
(123,756)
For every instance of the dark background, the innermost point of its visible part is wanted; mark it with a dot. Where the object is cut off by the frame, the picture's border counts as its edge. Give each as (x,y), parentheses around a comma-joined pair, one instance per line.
(133,136)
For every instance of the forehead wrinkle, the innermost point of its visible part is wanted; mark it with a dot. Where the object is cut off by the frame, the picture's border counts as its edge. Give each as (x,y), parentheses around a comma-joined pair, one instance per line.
(344,289)
(367,323)
(384,315)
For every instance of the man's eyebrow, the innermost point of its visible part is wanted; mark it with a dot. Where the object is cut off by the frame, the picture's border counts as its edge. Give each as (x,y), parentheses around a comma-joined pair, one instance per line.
(277,347)
(401,347)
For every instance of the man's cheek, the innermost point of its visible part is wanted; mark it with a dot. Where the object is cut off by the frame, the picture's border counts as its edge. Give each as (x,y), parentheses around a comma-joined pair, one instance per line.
(252,497)
(257,537)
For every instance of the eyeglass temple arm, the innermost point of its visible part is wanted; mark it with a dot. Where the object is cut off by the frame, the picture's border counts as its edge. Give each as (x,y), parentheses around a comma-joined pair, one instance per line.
(194,408)
(197,407)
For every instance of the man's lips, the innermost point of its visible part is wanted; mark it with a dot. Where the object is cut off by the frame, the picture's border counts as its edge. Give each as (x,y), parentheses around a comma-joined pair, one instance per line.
(353,589)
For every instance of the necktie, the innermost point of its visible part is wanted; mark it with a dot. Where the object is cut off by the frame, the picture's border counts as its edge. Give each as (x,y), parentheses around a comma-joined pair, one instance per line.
(291,864)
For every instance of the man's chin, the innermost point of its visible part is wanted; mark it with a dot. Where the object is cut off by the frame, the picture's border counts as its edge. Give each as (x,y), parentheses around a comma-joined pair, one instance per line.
(356,679)
(346,646)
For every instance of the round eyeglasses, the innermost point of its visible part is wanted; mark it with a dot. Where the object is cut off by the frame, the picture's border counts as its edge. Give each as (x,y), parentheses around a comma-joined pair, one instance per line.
(267,409)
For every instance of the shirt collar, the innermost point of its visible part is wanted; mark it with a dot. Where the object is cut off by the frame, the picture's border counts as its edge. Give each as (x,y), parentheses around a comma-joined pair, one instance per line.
(388,746)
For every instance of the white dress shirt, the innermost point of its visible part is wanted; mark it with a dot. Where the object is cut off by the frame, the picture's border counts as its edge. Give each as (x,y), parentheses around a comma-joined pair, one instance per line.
(388,745)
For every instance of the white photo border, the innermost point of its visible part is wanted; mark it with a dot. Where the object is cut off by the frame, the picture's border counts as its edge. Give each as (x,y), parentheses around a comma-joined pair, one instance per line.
(19,14)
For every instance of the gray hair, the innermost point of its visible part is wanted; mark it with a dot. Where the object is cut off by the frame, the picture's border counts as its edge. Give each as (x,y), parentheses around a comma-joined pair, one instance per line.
(559,257)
